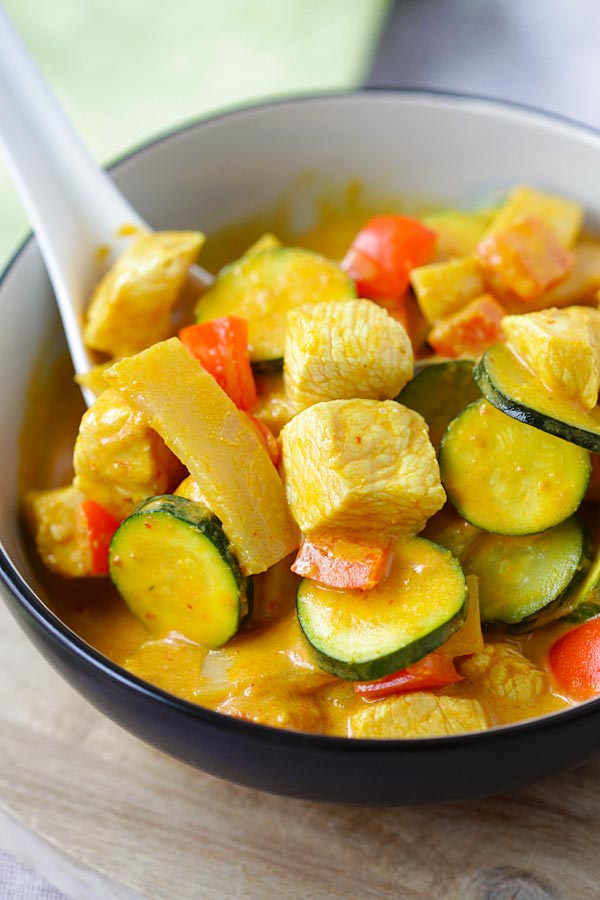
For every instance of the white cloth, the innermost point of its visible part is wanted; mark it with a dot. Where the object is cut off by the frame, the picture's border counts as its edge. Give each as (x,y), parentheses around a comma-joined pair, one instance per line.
(19,883)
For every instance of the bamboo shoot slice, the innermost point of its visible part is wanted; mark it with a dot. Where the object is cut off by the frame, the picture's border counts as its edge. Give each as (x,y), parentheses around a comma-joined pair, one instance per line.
(218,445)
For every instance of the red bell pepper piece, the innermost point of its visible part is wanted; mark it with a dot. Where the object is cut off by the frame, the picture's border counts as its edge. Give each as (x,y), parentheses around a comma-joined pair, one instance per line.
(96,527)
(342,561)
(433,671)
(221,346)
(471,330)
(383,253)
(575,661)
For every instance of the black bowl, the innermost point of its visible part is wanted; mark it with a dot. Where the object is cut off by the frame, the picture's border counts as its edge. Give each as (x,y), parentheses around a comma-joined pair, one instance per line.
(223,170)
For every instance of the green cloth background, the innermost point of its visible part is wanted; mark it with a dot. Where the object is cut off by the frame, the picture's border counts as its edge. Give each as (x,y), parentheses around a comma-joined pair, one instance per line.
(127,69)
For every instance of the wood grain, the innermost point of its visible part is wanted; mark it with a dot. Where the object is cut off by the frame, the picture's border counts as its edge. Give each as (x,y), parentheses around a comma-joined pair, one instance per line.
(105,816)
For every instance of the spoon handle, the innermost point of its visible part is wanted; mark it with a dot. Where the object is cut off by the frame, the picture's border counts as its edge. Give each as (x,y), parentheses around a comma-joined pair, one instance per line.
(73,206)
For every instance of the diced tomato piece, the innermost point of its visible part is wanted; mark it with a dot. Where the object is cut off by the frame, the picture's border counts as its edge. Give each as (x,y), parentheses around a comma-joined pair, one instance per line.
(268,438)
(575,661)
(221,346)
(383,253)
(524,260)
(343,561)
(433,671)
(471,330)
(96,527)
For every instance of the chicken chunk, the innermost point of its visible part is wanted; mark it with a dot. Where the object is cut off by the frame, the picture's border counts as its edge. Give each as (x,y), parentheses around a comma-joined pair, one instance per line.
(580,285)
(524,260)
(444,288)
(118,459)
(350,348)
(131,307)
(506,674)
(51,518)
(418,715)
(562,346)
(360,465)
(470,331)
(562,216)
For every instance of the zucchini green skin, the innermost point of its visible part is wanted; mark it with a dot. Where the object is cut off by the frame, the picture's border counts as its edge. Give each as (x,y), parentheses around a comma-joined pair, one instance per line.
(509,386)
(508,478)
(582,600)
(176,570)
(263,287)
(365,635)
(439,390)
(524,582)
(585,611)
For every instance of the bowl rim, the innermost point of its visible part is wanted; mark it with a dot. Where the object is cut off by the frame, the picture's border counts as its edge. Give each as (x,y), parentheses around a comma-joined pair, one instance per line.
(43,616)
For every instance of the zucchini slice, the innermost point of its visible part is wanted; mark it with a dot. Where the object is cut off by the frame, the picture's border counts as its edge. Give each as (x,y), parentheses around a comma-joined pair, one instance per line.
(439,391)
(512,388)
(175,569)
(264,286)
(363,635)
(582,601)
(523,577)
(504,476)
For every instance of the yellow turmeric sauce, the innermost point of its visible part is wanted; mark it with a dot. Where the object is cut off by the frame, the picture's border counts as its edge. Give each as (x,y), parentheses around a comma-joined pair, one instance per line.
(267,673)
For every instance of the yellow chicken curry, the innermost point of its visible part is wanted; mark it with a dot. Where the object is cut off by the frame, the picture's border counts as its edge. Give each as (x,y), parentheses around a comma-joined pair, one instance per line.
(352,494)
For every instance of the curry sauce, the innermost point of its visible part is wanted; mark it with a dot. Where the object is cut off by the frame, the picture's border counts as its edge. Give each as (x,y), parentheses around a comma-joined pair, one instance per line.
(269,673)
(266,674)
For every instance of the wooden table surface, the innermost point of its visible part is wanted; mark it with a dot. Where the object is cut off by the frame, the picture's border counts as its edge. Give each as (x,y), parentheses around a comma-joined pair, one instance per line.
(105,817)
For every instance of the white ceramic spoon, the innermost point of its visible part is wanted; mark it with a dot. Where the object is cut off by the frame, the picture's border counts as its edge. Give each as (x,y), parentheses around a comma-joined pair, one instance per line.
(73,206)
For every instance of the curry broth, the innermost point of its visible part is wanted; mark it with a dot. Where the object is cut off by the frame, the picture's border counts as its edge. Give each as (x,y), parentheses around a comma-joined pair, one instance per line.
(265,674)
